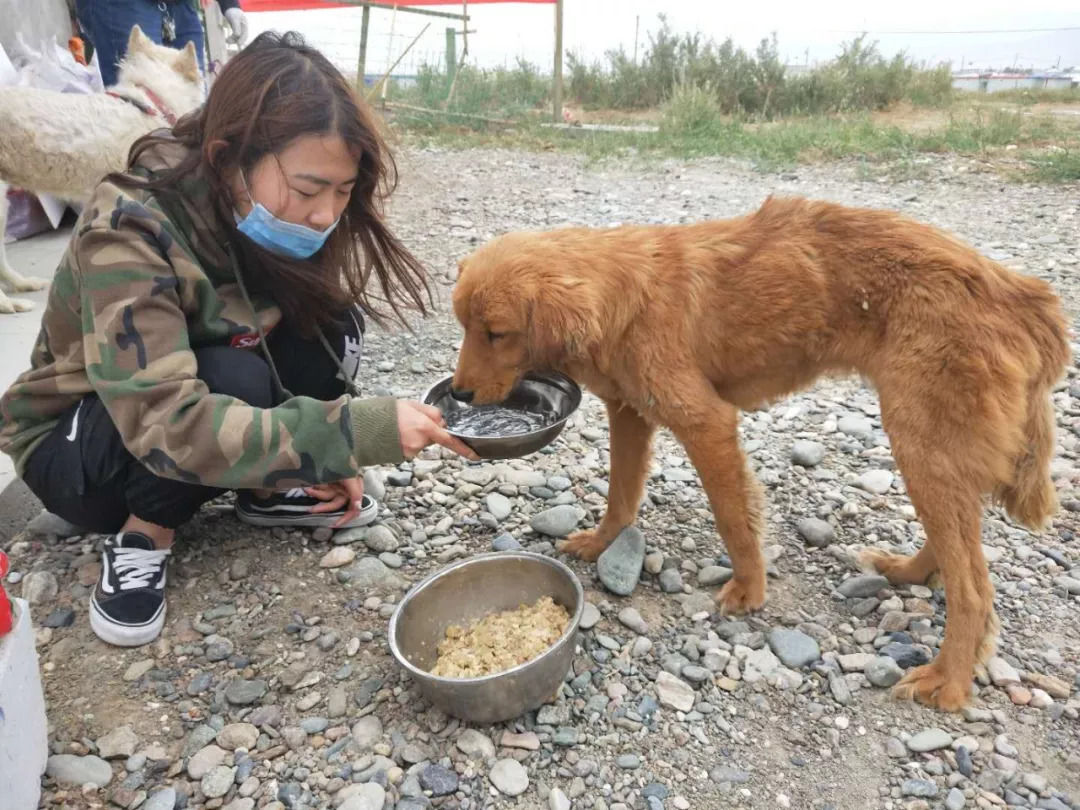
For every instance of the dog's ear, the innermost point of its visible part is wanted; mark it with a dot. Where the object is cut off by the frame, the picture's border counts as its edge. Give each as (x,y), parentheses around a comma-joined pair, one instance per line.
(137,41)
(187,63)
(564,319)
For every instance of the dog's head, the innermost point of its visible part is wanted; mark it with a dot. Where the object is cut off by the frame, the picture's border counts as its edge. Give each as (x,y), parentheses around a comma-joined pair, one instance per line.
(172,74)
(525,306)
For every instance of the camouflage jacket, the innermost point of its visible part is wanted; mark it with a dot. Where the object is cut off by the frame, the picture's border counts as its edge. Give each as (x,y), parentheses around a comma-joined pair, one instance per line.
(146,280)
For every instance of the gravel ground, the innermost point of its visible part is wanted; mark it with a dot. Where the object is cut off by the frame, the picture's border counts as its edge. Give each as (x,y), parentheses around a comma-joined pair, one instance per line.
(272,685)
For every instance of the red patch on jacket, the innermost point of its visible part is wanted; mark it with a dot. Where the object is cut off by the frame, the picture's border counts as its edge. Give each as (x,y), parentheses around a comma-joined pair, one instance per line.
(244,341)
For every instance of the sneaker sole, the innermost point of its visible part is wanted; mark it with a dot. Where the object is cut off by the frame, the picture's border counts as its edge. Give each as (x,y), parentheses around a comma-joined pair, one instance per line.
(125,635)
(366,517)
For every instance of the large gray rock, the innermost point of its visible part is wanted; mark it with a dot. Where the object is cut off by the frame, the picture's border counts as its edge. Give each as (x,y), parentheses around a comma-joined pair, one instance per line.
(72,771)
(619,567)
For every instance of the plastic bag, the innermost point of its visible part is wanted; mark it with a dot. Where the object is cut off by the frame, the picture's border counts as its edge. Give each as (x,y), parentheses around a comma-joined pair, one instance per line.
(53,67)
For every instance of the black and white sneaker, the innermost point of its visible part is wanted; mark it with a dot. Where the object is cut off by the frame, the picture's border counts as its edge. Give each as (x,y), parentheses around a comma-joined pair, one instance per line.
(293,508)
(127,607)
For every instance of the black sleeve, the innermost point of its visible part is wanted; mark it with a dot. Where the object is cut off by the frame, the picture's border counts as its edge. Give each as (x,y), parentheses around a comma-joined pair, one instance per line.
(227,4)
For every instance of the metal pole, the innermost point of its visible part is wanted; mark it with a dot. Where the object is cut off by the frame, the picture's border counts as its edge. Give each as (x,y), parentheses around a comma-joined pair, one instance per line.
(557,86)
(389,50)
(361,61)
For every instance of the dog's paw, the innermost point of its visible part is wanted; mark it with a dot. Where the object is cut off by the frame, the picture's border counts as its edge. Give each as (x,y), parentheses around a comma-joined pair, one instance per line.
(28,284)
(585,545)
(11,305)
(897,568)
(933,686)
(737,596)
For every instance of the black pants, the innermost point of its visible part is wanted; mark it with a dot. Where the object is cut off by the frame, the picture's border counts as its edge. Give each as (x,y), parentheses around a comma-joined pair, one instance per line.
(94,482)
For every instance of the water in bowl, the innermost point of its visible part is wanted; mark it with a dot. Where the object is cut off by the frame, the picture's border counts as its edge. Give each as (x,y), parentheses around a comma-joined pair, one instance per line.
(497,421)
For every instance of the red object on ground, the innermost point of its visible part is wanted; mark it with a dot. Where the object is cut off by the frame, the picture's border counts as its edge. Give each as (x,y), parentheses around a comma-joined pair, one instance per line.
(5,605)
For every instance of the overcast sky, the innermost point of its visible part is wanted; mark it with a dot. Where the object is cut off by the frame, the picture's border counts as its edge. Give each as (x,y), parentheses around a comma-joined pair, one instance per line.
(811,30)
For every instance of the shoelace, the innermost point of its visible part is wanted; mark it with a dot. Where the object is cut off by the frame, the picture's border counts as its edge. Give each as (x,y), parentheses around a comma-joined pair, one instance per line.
(135,567)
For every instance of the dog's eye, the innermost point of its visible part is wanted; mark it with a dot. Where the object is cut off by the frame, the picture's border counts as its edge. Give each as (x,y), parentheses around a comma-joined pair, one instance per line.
(493,336)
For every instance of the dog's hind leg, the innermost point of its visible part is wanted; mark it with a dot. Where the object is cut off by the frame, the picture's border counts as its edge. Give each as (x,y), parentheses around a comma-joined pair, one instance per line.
(942,456)
(710,435)
(631,440)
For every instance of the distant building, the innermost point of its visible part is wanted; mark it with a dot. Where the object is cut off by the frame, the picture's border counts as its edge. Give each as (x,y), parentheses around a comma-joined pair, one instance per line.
(990,82)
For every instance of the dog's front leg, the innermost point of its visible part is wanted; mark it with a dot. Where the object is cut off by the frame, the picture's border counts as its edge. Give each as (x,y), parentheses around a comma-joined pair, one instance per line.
(631,444)
(735,496)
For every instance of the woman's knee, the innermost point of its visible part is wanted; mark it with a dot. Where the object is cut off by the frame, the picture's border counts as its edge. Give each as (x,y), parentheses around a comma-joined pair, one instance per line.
(236,373)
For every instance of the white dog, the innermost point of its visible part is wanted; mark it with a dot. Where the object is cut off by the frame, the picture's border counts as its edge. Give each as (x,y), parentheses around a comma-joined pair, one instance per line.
(64,143)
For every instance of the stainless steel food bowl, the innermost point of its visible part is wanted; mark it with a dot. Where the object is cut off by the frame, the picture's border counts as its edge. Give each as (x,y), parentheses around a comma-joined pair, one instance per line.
(469,590)
(537,392)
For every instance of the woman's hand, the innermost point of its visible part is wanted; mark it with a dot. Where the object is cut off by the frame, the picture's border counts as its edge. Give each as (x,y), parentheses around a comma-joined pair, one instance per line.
(347,494)
(421,425)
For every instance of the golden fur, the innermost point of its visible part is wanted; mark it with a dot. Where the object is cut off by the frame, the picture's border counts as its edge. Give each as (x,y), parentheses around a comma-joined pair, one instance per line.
(684,325)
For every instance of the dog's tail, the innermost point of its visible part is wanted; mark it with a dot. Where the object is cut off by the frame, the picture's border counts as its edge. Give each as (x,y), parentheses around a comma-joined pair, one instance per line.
(1030,497)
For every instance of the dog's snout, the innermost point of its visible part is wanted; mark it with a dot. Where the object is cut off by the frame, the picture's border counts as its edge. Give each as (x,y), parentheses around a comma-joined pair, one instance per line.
(461,395)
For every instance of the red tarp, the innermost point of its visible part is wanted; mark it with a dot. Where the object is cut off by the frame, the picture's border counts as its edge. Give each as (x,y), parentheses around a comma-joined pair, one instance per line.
(296,5)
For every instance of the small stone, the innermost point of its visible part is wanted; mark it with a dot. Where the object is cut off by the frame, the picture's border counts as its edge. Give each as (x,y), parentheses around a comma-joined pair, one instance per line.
(120,742)
(369,796)
(557,800)
(955,800)
(628,762)
(337,557)
(244,692)
(807,453)
(370,573)
(590,616)
(906,655)
(439,780)
(509,777)
(238,735)
(1002,673)
(816,532)
(74,771)
(505,542)
(673,692)
(367,732)
(138,669)
(883,672)
(932,739)
(793,647)
(858,426)
(654,562)
(217,782)
(712,575)
(164,799)
(631,618)
(527,741)
(39,587)
(380,539)
(476,745)
(202,761)
(919,788)
(558,521)
(61,617)
(1019,695)
(877,482)
(619,567)
(733,776)
(671,581)
(499,506)
(374,484)
(1055,687)
(860,587)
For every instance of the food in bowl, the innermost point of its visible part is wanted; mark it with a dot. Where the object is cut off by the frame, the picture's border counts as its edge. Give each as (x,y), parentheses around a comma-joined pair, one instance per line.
(501,641)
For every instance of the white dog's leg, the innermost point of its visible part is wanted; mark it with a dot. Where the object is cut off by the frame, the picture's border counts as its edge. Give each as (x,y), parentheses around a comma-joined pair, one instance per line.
(8,277)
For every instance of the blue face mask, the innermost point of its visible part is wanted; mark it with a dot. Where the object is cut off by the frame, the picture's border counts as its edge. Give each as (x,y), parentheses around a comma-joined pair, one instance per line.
(278,236)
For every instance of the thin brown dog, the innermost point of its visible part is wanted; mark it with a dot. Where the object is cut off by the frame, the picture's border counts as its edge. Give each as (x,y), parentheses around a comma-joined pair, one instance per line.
(684,325)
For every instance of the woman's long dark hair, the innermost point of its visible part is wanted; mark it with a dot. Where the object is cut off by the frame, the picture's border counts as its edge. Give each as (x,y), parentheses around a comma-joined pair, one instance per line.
(273,91)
